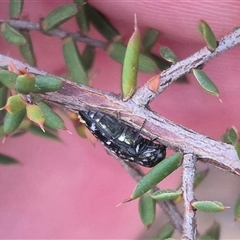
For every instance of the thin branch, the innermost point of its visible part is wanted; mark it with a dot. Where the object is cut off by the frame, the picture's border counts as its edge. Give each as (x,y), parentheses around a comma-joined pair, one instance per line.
(144,95)
(168,206)
(74,97)
(189,222)
(34,26)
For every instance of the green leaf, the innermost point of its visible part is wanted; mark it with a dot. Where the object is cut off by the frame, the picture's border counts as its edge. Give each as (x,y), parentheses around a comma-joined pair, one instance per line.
(59,16)
(224,138)
(52,119)
(208,35)
(35,114)
(74,61)
(232,135)
(208,206)
(1,131)
(26,50)
(88,56)
(15,8)
(149,39)
(117,52)
(205,82)
(12,35)
(22,129)
(13,120)
(157,174)
(8,78)
(47,84)
(130,64)
(6,160)
(166,194)
(3,100)
(168,54)
(147,209)
(14,104)
(82,17)
(103,26)
(25,83)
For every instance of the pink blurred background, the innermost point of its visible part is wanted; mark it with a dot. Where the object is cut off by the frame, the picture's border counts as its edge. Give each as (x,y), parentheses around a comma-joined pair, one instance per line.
(71,189)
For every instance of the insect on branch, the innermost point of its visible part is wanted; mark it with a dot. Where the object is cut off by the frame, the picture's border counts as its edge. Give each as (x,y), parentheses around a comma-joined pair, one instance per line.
(74,97)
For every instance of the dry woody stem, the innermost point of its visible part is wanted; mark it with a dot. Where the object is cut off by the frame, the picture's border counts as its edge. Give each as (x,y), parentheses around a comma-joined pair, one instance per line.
(34,26)
(74,97)
(189,222)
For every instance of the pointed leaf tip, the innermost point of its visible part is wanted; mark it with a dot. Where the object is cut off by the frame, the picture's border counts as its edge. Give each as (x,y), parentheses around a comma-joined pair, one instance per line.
(35,114)
(205,82)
